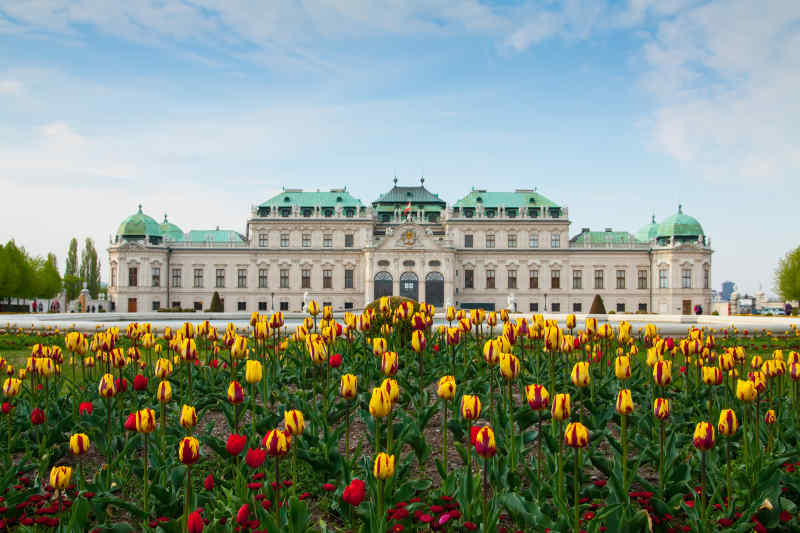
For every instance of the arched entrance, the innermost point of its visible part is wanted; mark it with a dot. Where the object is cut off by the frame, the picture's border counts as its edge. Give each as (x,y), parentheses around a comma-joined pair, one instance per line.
(434,289)
(409,285)
(383,284)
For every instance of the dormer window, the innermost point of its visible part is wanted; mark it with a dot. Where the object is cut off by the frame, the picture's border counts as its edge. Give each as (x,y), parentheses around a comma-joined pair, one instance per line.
(287,199)
(479,200)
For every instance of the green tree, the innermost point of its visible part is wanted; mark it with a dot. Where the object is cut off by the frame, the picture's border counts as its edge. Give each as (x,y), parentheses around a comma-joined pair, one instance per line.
(22,285)
(597,308)
(72,281)
(90,268)
(49,280)
(787,276)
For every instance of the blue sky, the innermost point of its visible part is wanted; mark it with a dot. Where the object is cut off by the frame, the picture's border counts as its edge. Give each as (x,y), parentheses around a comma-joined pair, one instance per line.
(200,109)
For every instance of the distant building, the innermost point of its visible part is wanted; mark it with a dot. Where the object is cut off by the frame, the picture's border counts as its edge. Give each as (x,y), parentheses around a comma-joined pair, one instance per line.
(489,249)
(727,290)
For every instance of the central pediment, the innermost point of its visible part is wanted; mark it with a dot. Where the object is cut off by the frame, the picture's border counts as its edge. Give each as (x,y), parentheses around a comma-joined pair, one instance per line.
(411,237)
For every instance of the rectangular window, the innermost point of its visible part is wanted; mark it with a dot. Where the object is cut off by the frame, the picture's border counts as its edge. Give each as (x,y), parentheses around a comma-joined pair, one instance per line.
(620,308)
(598,279)
(348,240)
(327,240)
(533,278)
(555,307)
(512,240)
(555,279)
(348,305)
(262,306)
(305,279)
(490,241)
(176,305)
(306,240)
(197,280)
(643,308)
(686,278)
(262,278)
(663,278)
(490,279)
(577,279)
(512,279)
(327,304)
(263,240)
(176,278)
(220,278)
(620,279)
(114,276)
(706,278)
(133,276)
(576,307)
(284,278)
(642,279)
(468,240)
(469,279)
(198,306)
(241,306)
(156,282)
(533,240)
(241,278)
(555,240)
(284,306)
(348,278)
(327,279)
(156,305)
(534,307)
(284,240)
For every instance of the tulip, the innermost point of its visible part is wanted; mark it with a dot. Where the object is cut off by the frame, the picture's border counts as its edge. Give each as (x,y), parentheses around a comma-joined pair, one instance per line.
(624,402)
(130,422)
(447,388)
(235,393)
(746,390)
(194,523)
(106,387)
(622,367)
(163,368)
(354,493)
(382,469)
(11,387)
(312,308)
(378,346)
(243,515)
(662,373)
(252,371)
(255,458)
(703,440)
(769,417)
(60,477)
(580,374)
(139,383)
(188,451)
(294,422)
(145,421)
(379,404)
(561,407)
(485,445)
(335,361)
(188,417)
(392,390)
(164,392)
(79,443)
(235,444)
(275,443)
(470,407)
(576,435)
(509,366)
(348,387)
(389,363)
(37,416)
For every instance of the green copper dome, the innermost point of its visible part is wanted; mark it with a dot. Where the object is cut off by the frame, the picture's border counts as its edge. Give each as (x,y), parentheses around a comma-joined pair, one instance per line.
(648,232)
(171,231)
(139,225)
(680,226)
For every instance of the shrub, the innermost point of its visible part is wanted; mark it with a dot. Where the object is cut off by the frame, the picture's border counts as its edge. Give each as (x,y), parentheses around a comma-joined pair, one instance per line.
(715,313)
(216,304)
(597,308)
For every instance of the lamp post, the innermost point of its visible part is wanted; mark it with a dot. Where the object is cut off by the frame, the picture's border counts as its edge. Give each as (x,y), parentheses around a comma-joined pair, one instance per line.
(273,302)
(545,302)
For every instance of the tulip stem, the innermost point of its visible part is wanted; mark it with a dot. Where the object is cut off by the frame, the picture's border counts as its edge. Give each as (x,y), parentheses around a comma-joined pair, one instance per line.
(623,428)
(380,501)
(575,490)
(278,490)
(661,462)
(347,434)
(294,468)
(146,479)
(728,472)
(485,493)
(703,488)
(444,436)
(187,497)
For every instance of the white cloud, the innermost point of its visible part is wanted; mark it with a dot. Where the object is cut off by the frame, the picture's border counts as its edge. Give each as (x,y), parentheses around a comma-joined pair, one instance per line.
(11,87)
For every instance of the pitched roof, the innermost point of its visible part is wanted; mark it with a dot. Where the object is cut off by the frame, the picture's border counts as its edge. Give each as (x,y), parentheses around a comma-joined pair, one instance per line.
(519,198)
(403,195)
(332,198)
(603,237)
(217,235)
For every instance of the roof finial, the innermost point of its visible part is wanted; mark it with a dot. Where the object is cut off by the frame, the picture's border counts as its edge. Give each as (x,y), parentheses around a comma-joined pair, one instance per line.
(140,208)
(422,180)
(395,180)
(653,220)
(680,208)
(165,218)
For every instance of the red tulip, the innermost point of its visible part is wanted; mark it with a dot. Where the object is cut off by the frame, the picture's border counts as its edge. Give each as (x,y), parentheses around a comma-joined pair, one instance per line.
(208,484)
(195,523)
(121,384)
(139,382)
(243,514)
(37,417)
(335,360)
(130,423)
(214,363)
(7,407)
(86,408)
(354,493)
(327,487)
(255,458)
(235,444)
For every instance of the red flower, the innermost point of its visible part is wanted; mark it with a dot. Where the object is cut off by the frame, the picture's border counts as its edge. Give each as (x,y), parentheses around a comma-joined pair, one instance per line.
(786,516)
(214,363)
(473,434)
(7,407)
(328,487)
(37,417)
(121,384)
(436,347)
(243,515)
(85,408)
(130,423)
(235,444)
(255,458)
(425,518)
(354,493)
(470,526)
(195,523)
(335,360)
(139,382)
(208,484)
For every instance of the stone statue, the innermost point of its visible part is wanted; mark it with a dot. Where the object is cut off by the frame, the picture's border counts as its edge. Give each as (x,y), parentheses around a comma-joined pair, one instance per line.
(512,302)
(305,300)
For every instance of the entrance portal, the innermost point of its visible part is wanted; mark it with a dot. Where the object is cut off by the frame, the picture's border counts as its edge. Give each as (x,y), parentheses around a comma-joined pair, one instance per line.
(434,289)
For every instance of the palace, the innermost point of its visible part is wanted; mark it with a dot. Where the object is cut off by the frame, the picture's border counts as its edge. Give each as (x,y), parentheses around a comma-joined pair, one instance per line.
(489,249)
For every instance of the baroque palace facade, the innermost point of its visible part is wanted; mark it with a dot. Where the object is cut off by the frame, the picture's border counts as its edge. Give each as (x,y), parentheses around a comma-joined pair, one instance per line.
(489,249)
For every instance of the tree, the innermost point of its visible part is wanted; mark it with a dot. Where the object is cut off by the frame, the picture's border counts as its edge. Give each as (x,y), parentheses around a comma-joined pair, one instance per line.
(72,282)
(787,276)
(49,280)
(22,282)
(216,303)
(597,308)
(90,268)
